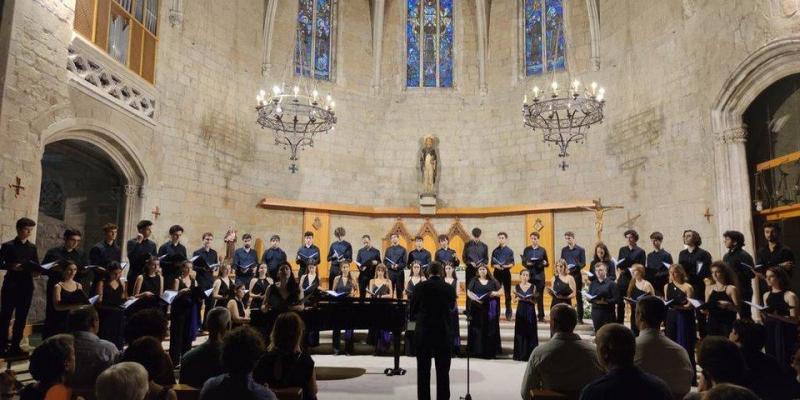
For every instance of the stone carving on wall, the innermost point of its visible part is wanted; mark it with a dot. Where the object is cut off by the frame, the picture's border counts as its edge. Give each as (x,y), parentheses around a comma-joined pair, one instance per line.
(632,141)
(51,200)
(108,84)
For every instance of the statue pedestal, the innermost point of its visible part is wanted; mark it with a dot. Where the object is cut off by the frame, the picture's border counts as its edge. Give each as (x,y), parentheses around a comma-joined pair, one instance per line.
(427,204)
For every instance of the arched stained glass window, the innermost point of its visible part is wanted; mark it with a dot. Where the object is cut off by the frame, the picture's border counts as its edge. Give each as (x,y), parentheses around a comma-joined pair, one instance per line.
(316,23)
(429,43)
(544,36)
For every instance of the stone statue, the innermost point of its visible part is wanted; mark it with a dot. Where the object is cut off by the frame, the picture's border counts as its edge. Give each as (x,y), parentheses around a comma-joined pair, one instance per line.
(427,164)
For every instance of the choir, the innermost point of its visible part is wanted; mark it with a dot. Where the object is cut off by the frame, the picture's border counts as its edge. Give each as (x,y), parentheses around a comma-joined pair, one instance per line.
(702,297)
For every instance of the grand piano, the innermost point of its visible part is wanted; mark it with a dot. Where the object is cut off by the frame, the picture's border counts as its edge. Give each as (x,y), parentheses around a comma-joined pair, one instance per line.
(329,313)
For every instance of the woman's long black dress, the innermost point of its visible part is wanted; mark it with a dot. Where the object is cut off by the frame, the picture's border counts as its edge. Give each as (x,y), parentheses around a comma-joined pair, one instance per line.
(259,288)
(526,334)
(454,321)
(720,320)
(225,292)
(346,287)
(781,335)
(310,288)
(150,284)
(410,344)
(484,325)
(681,326)
(112,317)
(380,338)
(635,294)
(183,322)
(57,323)
(561,288)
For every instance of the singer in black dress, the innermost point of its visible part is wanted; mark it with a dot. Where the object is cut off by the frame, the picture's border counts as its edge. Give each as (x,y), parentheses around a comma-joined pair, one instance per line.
(148,289)
(380,287)
(112,294)
(526,335)
(240,314)
(484,325)
(284,295)
(309,285)
(564,288)
(221,290)
(183,316)
(681,326)
(414,279)
(722,299)
(451,279)
(344,285)
(258,287)
(68,295)
(637,288)
(780,317)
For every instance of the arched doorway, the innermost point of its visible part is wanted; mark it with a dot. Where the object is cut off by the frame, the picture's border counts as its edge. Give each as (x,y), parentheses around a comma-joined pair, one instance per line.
(83,188)
(773,160)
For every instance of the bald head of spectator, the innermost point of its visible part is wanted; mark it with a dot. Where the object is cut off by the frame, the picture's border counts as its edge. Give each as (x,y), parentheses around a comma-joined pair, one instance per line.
(563,319)
(616,346)
(123,381)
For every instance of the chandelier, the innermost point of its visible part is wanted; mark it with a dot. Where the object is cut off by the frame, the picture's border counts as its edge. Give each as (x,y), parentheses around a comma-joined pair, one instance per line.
(295,118)
(564,119)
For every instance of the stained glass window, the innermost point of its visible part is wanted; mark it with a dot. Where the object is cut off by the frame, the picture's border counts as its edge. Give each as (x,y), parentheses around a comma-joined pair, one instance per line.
(314,47)
(544,41)
(429,43)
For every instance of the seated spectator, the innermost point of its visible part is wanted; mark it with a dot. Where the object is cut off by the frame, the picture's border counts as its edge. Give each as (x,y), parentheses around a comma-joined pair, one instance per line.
(565,363)
(285,364)
(150,323)
(92,354)
(658,355)
(241,349)
(123,381)
(721,362)
(148,352)
(727,391)
(764,372)
(616,348)
(202,362)
(51,363)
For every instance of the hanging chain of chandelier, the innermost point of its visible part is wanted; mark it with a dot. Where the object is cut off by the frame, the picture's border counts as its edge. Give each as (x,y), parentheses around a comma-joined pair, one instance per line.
(295,117)
(563,117)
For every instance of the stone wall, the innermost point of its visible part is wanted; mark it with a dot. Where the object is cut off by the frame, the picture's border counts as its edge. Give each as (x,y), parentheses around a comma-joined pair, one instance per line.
(206,164)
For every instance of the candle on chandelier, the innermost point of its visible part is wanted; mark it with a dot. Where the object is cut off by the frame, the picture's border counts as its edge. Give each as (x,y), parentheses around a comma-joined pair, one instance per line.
(575,86)
(554,86)
(594,88)
(525,100)
(536,91)
(601,94)
(276,90)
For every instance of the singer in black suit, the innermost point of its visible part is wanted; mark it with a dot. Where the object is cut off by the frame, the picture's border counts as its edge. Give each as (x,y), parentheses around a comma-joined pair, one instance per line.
(430,308)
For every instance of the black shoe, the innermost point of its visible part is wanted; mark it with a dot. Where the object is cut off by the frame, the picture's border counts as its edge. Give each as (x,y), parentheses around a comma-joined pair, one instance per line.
(508,316)
(337,352)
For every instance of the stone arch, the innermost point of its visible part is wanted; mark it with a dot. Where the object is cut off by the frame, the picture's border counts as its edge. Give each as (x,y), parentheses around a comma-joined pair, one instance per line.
(770,63)
(119,150)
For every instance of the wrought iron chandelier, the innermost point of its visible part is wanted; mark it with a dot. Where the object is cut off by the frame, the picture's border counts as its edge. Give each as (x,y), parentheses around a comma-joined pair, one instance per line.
(564,119)
(295,118)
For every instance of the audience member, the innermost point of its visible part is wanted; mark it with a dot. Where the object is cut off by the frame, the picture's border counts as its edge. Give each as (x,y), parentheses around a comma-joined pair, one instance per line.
(51,364)
(548,367)
(764,372)
(285,364)
(148,352)
(616,348)
(241,349)
(203,362)
(123,381)
(147,322)
(721,362)
(727,391)
(92,354)
(658,355)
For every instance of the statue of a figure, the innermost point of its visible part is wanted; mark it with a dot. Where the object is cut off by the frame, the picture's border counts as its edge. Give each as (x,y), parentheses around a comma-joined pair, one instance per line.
(427,164)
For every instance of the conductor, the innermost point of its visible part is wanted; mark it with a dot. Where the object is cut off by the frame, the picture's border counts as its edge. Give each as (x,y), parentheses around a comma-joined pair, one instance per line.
(431,305)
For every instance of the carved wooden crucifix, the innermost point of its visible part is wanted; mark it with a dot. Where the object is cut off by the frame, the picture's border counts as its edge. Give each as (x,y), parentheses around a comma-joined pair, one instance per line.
(599,213)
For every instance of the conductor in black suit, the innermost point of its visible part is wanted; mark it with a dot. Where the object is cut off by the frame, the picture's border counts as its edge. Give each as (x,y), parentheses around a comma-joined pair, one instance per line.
(431,305)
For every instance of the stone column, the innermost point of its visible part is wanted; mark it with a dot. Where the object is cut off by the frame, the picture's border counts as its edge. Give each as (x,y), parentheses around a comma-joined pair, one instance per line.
(133,210)
(734,205)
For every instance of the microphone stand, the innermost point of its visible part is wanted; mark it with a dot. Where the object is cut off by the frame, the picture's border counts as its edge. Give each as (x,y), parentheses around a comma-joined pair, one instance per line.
(469,319)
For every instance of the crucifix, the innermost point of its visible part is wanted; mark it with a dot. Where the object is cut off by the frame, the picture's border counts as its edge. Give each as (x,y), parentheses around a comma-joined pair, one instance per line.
(599,212)
(708,215)
(17,186)
(156,213)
